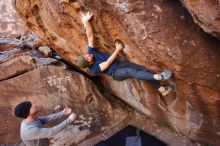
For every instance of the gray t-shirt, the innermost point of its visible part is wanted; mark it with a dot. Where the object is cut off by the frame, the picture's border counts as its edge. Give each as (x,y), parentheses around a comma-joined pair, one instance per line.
(33,134)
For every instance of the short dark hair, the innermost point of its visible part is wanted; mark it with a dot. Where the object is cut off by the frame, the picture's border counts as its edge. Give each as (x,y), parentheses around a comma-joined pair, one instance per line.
(22,109)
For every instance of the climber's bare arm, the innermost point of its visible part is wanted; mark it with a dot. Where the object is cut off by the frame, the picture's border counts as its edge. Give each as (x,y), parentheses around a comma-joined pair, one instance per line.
(89,33)
(104,65)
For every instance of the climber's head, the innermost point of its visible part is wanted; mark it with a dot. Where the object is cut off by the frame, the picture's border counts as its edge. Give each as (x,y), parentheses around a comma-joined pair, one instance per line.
(85,61)
(25,109)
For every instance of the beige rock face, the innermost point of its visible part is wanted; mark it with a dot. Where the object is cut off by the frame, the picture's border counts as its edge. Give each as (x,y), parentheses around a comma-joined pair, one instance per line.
(206,14)
(11,24)
(159,34)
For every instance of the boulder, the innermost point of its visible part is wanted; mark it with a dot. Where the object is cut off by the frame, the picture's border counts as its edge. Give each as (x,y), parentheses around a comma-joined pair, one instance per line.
(45,50)
(20,57)
(206,14)
(46,82)
(51,87)
(157,34)
(25,74)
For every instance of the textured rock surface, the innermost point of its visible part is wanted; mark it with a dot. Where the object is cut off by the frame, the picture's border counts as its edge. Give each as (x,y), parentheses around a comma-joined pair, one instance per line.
(20,57)
(11,24)
(206,14)
(55,86)
(157,33)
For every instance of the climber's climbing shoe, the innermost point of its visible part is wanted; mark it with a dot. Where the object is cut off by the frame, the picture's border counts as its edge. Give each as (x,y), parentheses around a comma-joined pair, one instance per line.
(168,89)
(165,75)
(120,42)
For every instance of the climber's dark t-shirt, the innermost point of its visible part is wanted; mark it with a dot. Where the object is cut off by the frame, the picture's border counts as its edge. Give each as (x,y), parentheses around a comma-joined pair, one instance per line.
(99,57)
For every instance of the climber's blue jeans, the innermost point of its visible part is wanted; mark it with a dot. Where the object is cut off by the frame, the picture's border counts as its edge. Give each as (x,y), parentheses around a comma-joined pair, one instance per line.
(126,69)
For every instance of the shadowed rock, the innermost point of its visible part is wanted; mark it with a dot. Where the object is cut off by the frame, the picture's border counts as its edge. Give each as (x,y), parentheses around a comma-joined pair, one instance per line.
(206,14)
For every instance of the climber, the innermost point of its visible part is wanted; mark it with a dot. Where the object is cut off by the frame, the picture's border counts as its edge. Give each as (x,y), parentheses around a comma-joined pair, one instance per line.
(31,131)
(99,62)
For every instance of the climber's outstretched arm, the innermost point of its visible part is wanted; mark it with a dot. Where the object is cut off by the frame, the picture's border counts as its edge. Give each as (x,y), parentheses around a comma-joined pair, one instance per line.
(104,65)
(89,33)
